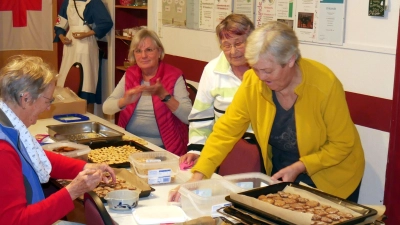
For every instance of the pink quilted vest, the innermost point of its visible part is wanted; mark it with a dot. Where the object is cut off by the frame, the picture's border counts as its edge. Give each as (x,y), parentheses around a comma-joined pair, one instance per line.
(174,133)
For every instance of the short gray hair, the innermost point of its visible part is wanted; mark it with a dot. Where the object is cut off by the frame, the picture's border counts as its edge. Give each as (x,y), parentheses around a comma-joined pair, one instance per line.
(139,37)
(276,38)
(234,24)
(24,74)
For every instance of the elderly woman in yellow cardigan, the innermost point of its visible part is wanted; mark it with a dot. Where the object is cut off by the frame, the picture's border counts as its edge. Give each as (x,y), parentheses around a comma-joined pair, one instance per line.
(298,110)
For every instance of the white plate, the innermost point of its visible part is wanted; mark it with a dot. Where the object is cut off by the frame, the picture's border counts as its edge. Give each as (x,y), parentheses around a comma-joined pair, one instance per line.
(80,149)
(159,214)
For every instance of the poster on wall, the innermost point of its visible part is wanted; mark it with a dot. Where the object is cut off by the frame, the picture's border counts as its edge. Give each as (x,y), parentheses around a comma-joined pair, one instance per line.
(192,14)
(330,27)
(206,15)
(265,11)
(245,7)
(305,19)
(179,13)
(318,21)
(222,9)
(167,15)
(285,11)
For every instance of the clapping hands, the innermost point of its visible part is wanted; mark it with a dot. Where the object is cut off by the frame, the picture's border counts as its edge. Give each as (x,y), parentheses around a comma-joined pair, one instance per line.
(133,95)
(156,89)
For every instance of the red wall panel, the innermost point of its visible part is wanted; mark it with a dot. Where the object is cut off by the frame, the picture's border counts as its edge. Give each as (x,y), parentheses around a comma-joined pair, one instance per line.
(367,111)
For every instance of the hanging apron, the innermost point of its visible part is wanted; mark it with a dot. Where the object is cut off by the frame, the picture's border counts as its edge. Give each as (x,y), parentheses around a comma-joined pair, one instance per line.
(84,51)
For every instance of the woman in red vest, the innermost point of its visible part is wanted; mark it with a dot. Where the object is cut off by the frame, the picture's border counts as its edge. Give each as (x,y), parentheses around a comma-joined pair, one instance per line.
(151,97)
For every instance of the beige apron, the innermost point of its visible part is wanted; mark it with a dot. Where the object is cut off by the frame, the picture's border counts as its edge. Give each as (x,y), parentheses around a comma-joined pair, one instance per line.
(84,51)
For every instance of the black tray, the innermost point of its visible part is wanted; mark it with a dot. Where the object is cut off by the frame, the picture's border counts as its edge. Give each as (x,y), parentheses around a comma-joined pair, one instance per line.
(97,145)
(363,210)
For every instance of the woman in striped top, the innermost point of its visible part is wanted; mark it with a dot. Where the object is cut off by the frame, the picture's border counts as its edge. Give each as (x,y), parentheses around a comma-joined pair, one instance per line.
(219,82)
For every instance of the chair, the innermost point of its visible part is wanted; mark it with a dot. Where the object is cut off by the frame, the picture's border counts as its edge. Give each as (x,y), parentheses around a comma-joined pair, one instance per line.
(95,212)
(244,157)
(74,79)
(192,92)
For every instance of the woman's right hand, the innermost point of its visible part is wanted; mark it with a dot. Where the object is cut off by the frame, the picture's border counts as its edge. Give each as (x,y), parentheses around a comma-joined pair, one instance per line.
(64,39)
(86,181)
(189,157)
(130,96)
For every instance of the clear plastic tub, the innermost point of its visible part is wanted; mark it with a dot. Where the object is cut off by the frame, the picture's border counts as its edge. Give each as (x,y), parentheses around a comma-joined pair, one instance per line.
(205,197)
(182,176)
(155,167)
(80,152)
(249,181)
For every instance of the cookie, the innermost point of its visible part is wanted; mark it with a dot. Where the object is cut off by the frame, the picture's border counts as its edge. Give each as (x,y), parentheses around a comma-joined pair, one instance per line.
(312,203)
(331,210)
(333,217)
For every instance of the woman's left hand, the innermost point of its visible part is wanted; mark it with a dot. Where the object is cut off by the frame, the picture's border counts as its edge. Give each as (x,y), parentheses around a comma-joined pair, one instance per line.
(290,173)
(104,168)
(82,35)
(156,89)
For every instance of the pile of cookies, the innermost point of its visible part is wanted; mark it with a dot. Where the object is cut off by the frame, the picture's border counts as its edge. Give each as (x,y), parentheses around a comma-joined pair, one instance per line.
(102,189)
(64,149)
(135,139)
(82,136)
(322,214)
(112,155)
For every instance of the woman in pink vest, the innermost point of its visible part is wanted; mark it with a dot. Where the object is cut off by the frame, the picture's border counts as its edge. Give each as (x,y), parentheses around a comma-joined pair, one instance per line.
(151,97)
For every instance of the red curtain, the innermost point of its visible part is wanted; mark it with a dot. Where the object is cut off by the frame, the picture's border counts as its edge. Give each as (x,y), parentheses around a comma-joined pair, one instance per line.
(392,184)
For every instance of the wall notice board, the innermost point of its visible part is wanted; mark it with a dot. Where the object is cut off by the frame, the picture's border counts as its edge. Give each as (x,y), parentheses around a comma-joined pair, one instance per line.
(318,21)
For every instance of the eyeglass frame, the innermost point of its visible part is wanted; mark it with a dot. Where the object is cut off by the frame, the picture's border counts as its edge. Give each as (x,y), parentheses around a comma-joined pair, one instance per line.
(50,99)
(146,50)
(237,45)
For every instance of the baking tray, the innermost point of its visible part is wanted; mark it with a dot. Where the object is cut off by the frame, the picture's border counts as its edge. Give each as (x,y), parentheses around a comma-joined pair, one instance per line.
(243,217)
(363,210)
(98,145)
(145,189)
(83,133)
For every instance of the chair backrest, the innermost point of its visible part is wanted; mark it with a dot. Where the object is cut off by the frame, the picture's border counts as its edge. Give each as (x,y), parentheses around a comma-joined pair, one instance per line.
(244,157)
(192,92)
(74,79)
(95,212)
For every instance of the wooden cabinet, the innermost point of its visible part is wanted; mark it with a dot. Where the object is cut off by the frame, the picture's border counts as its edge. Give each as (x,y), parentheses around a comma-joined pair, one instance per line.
(126,17)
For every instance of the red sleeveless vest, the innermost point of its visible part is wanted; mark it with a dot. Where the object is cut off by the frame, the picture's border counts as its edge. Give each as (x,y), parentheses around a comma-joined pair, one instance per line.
(174,133)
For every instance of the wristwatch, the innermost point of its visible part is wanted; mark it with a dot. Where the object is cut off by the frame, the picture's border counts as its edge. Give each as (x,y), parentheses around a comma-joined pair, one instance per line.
(167,98)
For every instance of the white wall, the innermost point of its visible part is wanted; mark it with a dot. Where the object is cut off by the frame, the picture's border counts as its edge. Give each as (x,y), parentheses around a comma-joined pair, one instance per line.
(109,64)
(365,65)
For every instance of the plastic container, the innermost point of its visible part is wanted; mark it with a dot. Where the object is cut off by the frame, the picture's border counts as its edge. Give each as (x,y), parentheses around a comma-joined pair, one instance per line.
(155,167)
(249,181)
(122,200)
(182,176)
(159,215)
(81,151)
(205,197)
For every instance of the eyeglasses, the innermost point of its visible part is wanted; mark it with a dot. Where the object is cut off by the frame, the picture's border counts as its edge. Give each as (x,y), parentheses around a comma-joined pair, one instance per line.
(237,45)
(147,51)
(51,100)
